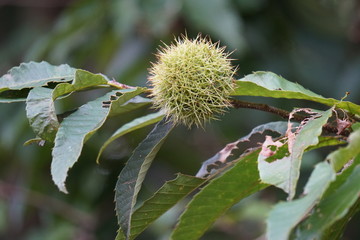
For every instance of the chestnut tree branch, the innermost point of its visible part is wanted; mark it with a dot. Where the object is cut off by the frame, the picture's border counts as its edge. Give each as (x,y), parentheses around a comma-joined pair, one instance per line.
(282,113)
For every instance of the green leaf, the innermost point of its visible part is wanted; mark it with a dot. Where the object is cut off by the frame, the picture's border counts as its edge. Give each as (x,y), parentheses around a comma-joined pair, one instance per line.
(286,215)
(337,229)
(83,79)
(218,196)
(33,74)
(326,141)
(221,156)
(343,193)
(343,155)
(133,174)
(355,126)
(131,126)
(134,103)
(40,107)
(165,198)
(76,129)
(40,111)
(284,173)
(267,84)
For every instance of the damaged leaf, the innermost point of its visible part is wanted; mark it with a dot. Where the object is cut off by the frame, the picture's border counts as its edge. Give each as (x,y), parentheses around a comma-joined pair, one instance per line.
(266,150)
(284,172)
(278,127)
(76,129)
(133,174)
(236,183)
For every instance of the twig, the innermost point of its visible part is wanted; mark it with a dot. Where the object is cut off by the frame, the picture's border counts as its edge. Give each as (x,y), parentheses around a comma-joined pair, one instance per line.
(282,113)
(266,108)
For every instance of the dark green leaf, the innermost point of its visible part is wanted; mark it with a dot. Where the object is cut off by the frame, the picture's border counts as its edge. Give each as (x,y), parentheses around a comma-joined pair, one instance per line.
(343,193)
(133,174)
(286,215)
(218,196)
(325,141)
(131,126)
(33,74)
(165,198)
(343,155)
(267,84)
(336,231)
(355,126)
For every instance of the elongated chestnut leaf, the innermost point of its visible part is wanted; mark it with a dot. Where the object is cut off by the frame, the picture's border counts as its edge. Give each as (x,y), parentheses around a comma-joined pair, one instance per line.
(268,84)
(284,172)
(133,174)
(238,182)
(165,198)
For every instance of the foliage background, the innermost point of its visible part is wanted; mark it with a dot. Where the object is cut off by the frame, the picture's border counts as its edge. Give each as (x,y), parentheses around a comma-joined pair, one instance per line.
(313,43)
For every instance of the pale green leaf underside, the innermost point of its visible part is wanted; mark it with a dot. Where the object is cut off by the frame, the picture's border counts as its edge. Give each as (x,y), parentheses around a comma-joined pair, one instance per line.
(267,84)
(218,196)
(82,80)
(33,74)
(165,198)
(333,207)
(40,107)
(133,174)
(76,129)
(131,126)
(284,173)
(277,127)
(286,215)
(40,111)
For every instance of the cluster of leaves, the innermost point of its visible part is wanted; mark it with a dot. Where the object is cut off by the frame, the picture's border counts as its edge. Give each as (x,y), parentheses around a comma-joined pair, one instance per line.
(330,197)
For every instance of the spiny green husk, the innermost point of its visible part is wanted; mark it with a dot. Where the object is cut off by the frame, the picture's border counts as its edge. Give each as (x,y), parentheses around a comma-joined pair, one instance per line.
(192,80)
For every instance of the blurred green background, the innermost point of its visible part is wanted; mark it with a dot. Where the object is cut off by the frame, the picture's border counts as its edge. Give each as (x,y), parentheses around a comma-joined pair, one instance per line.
(314,43)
